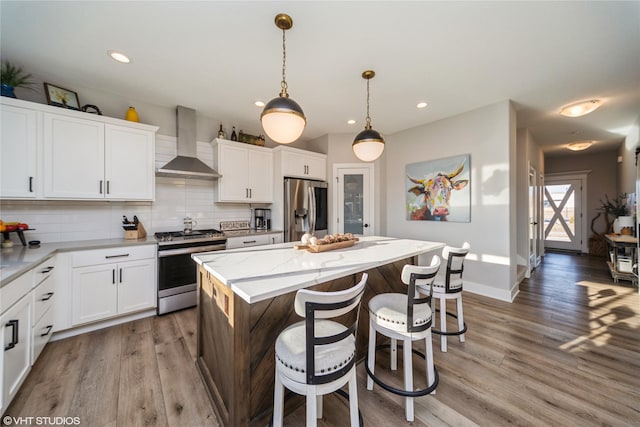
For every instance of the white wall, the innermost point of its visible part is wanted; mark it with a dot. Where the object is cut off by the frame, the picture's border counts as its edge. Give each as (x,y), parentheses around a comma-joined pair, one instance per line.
(488,135)
(627,168)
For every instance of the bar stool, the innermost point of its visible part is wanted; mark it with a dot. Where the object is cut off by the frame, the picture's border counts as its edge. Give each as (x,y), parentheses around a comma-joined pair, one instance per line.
(407,318)
(446,286)
(317,356)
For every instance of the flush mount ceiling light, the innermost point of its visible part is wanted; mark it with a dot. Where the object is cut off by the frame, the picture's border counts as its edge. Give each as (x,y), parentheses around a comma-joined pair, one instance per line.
(118,56)
(259,104)
(421,105)
(580,109)
(368,144)
(351,122)
(579,145)
(282,118)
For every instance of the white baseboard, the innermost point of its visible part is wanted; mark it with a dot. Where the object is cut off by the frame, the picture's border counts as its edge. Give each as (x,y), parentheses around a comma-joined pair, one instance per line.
(491,292)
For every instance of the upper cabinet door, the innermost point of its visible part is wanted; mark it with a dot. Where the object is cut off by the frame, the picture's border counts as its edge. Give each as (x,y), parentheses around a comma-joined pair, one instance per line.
(129,163)
(303,164)
(74,158)
(233,165)
(18,155)
(261,176)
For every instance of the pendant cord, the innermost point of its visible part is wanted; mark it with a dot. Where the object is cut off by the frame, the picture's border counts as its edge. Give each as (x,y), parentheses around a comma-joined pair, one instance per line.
(283,83)
(368,124)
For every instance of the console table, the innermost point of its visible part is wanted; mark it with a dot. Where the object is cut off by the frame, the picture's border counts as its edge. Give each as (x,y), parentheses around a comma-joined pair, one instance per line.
(621,244)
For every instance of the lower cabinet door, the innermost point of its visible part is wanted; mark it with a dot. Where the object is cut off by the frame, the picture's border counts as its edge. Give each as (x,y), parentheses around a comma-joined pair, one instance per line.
(16,343)
(136,285)
(41,334)
(95,293)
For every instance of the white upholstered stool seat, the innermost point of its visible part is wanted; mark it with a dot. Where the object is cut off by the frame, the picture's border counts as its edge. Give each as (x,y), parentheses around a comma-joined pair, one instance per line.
(404,317)
(316,356)
(390,311)
(292,357)
(448,285)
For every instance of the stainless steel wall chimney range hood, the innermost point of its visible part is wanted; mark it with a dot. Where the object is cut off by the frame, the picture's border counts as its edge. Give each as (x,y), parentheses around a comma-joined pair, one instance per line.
(186,164)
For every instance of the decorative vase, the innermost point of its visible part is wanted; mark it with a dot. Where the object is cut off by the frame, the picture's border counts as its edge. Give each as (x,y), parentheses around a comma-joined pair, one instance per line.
(132,115)
(8,91)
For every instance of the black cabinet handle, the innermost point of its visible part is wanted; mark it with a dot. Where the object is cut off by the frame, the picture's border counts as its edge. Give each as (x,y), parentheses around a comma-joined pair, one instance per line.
(47,296)
(30,184)
(100,186)
(49,328)
(116,256)
(246,242)
(108,186)
(47,269)
(113,276)
(14,334)
(120,275)
(366,225)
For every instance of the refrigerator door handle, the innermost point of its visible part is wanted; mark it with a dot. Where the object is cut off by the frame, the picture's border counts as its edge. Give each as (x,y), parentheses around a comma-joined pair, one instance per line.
(312,211)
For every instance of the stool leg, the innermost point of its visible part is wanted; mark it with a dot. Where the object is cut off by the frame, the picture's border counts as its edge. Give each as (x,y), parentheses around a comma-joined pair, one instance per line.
(393,348)
(408,379)
(371,357)
(353,398)
(443,323)
(312,413)
(319,406)
(431,377)
(278,401)
(460,316)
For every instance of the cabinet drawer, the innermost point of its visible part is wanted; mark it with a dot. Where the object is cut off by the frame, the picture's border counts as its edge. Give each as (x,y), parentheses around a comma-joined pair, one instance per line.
(112,255)
(43,271)
(244,242)
(42,332)
(43,298)
(15,290)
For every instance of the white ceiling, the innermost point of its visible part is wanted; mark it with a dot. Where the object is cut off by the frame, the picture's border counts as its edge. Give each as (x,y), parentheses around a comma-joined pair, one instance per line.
(219,57)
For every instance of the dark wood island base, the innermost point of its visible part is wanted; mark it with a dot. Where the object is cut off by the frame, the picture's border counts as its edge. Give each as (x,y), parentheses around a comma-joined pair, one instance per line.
(236,340)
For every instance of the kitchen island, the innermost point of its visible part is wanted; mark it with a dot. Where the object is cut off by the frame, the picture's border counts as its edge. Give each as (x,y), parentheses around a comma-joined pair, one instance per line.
(245,299)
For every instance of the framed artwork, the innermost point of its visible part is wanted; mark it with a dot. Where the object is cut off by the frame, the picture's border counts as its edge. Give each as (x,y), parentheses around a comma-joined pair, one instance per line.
(61,97)
(439,190)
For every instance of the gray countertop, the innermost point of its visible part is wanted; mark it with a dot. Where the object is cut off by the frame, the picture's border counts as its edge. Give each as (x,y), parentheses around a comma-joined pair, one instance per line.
(19,259)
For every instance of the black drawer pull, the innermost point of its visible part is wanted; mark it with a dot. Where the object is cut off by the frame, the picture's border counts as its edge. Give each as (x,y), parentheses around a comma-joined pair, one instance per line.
(14,334)
(246,242)
(47,296)
(49,328)
(47,270)
(116,256)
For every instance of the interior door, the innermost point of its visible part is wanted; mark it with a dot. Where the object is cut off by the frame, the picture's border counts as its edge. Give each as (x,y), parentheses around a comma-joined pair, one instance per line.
(533,220)
(354,201)
(563,228)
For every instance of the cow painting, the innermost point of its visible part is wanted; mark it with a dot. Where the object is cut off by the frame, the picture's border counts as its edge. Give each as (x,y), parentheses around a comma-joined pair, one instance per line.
(431,195)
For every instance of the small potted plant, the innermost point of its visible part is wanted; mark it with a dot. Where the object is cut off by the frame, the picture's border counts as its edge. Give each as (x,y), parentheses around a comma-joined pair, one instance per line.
(12,77)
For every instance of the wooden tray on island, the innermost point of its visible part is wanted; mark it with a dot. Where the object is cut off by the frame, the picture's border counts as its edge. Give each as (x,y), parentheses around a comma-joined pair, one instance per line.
(330,247)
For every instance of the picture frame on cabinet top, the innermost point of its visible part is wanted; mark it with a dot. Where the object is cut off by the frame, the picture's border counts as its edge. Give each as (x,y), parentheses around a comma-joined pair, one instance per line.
(61,97)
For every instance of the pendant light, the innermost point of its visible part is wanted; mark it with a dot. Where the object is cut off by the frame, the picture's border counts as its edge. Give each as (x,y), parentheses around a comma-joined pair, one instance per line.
(368,144)
(282,118)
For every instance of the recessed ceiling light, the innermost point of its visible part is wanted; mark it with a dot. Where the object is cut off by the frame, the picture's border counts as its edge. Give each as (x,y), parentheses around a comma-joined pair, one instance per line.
(259,104)
(119,56)
(580,109)
(351,122)
(421,105)
(580,145)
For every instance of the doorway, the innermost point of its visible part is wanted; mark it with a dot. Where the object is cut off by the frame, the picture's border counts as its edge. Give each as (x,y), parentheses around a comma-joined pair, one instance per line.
(535,186)
(353,199)
(563,202)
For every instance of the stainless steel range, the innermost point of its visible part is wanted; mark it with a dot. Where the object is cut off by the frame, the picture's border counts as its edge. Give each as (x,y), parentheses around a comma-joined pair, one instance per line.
(177,272)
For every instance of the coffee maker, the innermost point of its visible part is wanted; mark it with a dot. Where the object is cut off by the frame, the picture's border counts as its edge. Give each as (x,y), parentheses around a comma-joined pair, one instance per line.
(262,218)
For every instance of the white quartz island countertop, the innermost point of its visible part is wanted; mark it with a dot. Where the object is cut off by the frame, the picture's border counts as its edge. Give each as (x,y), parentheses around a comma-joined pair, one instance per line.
(263,272)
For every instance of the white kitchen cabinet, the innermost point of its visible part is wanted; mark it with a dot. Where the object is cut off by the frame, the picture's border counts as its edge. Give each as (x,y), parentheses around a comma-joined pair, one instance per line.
(87,159)
(16,341)
(247,241)
(301,163)
(112,282)
(18,153)
(253,240)
(247,172)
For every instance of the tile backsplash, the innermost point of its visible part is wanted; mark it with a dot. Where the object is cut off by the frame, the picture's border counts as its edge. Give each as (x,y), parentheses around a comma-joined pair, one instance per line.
(59,220)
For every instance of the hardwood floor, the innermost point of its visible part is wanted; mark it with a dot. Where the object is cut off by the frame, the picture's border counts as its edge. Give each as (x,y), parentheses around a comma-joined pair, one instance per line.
(566,352)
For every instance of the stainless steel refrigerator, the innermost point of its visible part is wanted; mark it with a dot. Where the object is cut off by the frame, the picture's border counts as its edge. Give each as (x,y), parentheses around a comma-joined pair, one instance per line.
(305,208)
